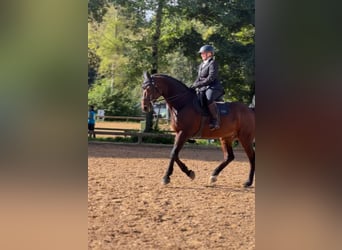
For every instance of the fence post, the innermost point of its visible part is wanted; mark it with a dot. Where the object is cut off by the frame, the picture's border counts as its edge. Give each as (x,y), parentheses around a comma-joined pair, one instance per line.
(139,138)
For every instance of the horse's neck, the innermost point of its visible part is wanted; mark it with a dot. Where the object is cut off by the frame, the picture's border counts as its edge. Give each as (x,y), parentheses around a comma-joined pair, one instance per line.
(178,99)
(175,95)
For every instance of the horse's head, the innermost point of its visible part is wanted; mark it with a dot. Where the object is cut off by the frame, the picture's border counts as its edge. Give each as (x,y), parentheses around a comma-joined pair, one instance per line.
(150,93)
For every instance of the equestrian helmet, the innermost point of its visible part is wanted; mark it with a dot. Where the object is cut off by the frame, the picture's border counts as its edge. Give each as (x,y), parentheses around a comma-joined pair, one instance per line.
(206,48)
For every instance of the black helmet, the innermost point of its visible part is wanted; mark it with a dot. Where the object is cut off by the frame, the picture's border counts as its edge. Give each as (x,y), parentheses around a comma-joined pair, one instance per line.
(206,48)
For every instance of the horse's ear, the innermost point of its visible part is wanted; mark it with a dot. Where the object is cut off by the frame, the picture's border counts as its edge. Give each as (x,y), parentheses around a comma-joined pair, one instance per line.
(147,75)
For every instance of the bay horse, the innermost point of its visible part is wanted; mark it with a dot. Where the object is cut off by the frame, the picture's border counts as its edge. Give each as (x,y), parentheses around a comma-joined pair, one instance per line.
(188,121)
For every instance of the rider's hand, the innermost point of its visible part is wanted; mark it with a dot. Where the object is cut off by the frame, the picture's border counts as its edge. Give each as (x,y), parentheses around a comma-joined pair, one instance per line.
(195,85)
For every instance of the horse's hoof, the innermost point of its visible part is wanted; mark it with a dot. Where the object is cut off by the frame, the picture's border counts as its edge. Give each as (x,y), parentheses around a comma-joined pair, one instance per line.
(192,175)
(247,184)
(212,179)
(166,180)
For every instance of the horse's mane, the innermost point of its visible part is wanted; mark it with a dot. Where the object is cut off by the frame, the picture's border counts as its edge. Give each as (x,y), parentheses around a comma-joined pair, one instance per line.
(172,78)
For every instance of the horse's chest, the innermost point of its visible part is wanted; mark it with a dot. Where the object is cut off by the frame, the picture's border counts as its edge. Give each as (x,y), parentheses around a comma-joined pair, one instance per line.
(181,122)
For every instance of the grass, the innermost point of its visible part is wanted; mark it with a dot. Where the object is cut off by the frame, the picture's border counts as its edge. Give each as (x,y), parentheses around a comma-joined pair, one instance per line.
(134,139)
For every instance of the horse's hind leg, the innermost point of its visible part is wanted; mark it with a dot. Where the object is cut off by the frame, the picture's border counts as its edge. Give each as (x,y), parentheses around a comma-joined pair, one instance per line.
(248,146)
(228,154)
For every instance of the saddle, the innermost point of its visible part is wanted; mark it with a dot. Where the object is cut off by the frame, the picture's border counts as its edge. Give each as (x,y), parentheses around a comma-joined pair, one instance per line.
(201,106)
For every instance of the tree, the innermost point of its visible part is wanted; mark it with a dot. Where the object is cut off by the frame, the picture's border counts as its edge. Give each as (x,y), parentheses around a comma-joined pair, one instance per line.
(110,42)
(93,66)
(113,101)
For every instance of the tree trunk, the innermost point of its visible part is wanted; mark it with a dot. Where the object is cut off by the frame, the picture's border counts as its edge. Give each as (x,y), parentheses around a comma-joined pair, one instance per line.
(155,44)
(156,36)
(149,122)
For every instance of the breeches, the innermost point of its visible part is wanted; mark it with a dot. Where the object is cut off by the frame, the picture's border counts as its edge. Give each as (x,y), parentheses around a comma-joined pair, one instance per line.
(212,95)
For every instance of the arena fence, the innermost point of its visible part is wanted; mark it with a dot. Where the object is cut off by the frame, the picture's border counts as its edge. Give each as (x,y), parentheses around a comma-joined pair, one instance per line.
(132,133)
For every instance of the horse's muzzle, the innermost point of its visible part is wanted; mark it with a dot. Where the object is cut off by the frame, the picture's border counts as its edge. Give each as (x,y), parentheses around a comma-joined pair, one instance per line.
(145,109)
(145,106)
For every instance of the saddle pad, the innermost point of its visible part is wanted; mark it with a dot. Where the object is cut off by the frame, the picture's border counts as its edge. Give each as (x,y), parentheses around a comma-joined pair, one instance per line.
(223,108)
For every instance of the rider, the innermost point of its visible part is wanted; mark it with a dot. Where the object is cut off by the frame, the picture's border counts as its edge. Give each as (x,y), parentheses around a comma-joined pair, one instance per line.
(207,81)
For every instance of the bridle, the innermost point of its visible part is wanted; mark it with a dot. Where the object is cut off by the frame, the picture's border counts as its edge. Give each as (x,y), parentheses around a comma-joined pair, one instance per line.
(150,83)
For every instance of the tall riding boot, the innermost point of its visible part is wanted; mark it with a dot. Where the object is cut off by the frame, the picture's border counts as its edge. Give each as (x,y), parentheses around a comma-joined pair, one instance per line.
(214,123)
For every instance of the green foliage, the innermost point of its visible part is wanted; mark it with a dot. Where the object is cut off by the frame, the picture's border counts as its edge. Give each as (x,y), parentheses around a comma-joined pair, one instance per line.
(115,101)
(106,39)
(129,139)
(158,140)
(93,66)
(96,9)
(111,43)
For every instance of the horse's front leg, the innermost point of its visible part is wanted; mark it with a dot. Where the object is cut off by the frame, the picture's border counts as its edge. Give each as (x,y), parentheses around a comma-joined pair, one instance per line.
(166,178)
(179,143)
(184,168)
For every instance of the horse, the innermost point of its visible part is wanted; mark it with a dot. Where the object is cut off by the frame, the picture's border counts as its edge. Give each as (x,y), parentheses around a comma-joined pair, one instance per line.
(189,121)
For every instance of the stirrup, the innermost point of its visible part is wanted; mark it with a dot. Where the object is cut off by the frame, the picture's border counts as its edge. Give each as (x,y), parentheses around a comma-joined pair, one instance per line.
(214,125)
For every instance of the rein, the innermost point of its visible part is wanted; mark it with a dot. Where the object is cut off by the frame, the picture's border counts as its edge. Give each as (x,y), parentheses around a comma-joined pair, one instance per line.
(175,97)
(150,82)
